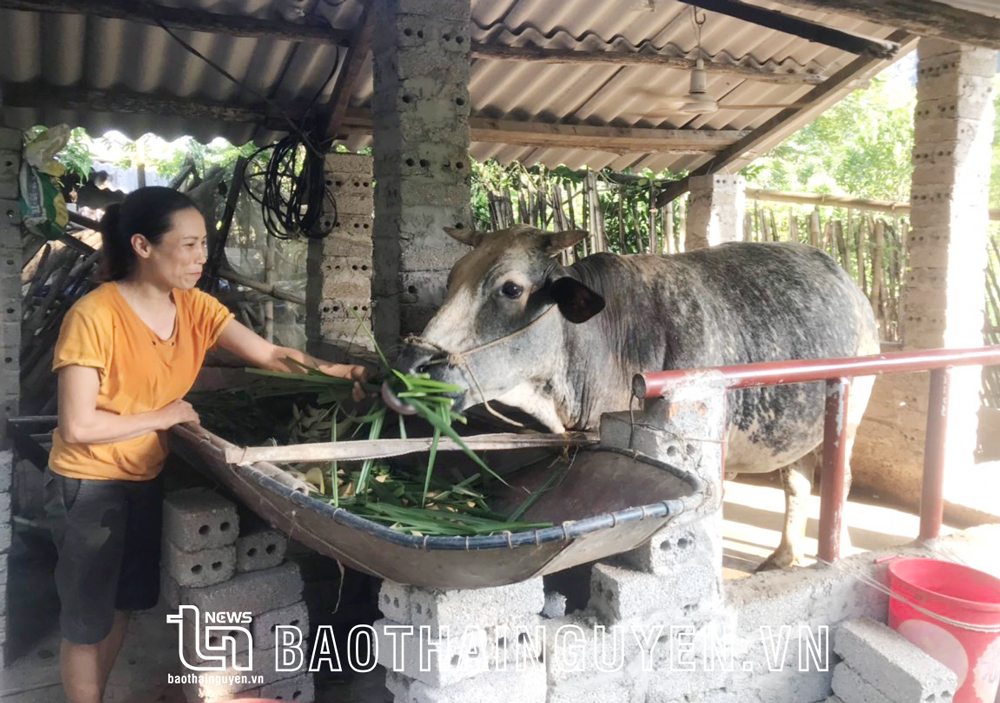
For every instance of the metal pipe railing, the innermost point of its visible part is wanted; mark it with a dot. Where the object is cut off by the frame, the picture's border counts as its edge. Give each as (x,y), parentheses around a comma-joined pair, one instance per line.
(837,373)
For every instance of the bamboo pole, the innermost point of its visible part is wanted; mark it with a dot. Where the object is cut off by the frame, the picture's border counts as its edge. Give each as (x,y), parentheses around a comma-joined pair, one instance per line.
(386,448)
(264,288)
(793,227)
(652,218)
(774,227)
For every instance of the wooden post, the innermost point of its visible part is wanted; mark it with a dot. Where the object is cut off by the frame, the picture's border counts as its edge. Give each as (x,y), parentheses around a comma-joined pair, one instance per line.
(668,228)
(793,226)
(814,228)
(774,228)
(681,233)
(269,280)
(878,294)
(652,218)
(621,224)
(860,240)
(845,253)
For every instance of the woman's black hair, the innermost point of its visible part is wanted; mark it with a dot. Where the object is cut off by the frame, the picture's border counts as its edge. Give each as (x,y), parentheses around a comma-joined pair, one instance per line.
(146,211)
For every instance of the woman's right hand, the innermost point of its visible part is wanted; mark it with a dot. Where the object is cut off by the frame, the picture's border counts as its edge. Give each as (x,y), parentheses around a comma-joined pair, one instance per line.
(177,412)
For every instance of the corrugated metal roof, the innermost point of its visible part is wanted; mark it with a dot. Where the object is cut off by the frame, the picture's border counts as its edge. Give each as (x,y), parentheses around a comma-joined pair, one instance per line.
(983,7)
(74,51)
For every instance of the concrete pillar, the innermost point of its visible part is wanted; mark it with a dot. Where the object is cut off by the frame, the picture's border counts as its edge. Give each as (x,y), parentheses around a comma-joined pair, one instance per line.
(716,210)
(11,258)
(420,109)
(338,291)
(943,297)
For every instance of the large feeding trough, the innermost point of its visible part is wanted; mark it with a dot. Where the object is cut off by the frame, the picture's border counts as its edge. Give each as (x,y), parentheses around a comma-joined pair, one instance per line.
(608,501)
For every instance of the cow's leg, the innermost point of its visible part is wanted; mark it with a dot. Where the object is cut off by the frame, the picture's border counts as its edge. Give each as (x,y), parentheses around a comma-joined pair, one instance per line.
(797,479)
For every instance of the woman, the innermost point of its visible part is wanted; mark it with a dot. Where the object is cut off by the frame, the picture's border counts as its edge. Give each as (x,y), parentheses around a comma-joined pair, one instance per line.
(127,354)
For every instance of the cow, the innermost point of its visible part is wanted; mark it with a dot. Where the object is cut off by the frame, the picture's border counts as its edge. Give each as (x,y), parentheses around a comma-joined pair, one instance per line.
(563,343)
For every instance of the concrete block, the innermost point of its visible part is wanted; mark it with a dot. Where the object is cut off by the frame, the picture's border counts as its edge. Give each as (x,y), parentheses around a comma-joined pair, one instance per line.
(6,531)
(675,545)
(195,634)
(792,598)
(6,470)
(433,661)
(263,626)
(455,610)
(618,594)
(850,686)
(891,663)
(255,591)
(260,549)
(195,519)
(603,689)
(171,592)
(10,212)
(300,688)
(525,686)
(205,567)
(342,163)
(394,601)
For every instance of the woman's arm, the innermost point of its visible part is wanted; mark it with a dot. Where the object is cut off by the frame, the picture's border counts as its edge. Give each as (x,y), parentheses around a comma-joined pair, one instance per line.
(81,422)
(250,346)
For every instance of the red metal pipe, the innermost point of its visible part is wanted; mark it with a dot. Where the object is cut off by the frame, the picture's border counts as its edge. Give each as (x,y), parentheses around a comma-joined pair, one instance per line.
(656,384)
(833,489)
(932,495)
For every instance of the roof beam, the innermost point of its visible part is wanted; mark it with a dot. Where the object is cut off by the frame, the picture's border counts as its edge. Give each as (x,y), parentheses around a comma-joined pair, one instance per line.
(616,140)
(770,133)
(29,95)
(347,77)
(188,18)
(796,26)
(924,17)
(746,70)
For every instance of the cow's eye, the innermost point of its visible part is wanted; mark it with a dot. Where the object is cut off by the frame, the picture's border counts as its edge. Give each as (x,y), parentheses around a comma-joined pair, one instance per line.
(511,290)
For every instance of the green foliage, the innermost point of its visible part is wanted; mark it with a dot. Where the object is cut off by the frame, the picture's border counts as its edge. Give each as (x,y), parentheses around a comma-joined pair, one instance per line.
(862,146)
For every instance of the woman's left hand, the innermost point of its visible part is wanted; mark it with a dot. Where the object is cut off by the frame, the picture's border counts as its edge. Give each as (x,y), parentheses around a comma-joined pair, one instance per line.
(358,374)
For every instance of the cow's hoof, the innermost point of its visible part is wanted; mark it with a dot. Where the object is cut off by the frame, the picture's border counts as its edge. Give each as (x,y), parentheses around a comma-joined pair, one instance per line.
(776,562)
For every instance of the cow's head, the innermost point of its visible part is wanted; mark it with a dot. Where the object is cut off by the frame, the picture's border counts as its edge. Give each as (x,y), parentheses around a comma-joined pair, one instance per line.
(499,332)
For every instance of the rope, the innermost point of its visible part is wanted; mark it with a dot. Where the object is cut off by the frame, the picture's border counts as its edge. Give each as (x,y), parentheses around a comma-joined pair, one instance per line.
(879,586)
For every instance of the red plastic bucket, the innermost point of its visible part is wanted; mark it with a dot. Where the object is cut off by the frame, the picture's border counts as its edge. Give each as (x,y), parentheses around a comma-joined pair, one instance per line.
(962,595)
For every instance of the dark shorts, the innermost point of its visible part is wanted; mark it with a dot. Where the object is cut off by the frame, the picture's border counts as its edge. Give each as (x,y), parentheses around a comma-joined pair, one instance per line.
(108,537)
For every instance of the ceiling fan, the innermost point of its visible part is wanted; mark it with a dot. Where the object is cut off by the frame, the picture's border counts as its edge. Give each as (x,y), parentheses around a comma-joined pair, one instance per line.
(697,101)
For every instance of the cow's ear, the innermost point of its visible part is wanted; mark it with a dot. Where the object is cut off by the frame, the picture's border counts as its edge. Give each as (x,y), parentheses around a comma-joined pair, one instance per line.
(560,241)
(576,302)
(465,236)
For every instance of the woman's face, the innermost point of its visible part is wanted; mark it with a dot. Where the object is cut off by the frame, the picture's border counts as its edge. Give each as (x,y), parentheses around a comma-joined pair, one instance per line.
(178,259)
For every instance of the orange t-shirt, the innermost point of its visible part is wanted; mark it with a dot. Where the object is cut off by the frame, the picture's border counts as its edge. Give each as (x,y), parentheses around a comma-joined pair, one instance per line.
(139,373)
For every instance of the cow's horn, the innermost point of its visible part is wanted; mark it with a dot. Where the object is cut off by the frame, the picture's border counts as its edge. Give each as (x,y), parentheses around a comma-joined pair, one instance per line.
(559,241)
(465,236)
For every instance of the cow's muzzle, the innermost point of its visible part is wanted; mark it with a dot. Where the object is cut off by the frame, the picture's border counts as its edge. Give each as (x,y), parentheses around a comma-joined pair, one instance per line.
(418,359)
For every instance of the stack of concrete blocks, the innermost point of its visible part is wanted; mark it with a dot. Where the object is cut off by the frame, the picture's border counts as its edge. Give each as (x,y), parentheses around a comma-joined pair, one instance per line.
(715,215)
(645,601)
(10,340)
(338,288)
(420,109)
(462,646)
(881,666)
(209,564)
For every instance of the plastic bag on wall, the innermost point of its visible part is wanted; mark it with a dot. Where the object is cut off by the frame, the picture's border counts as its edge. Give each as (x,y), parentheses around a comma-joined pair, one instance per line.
(43,207)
